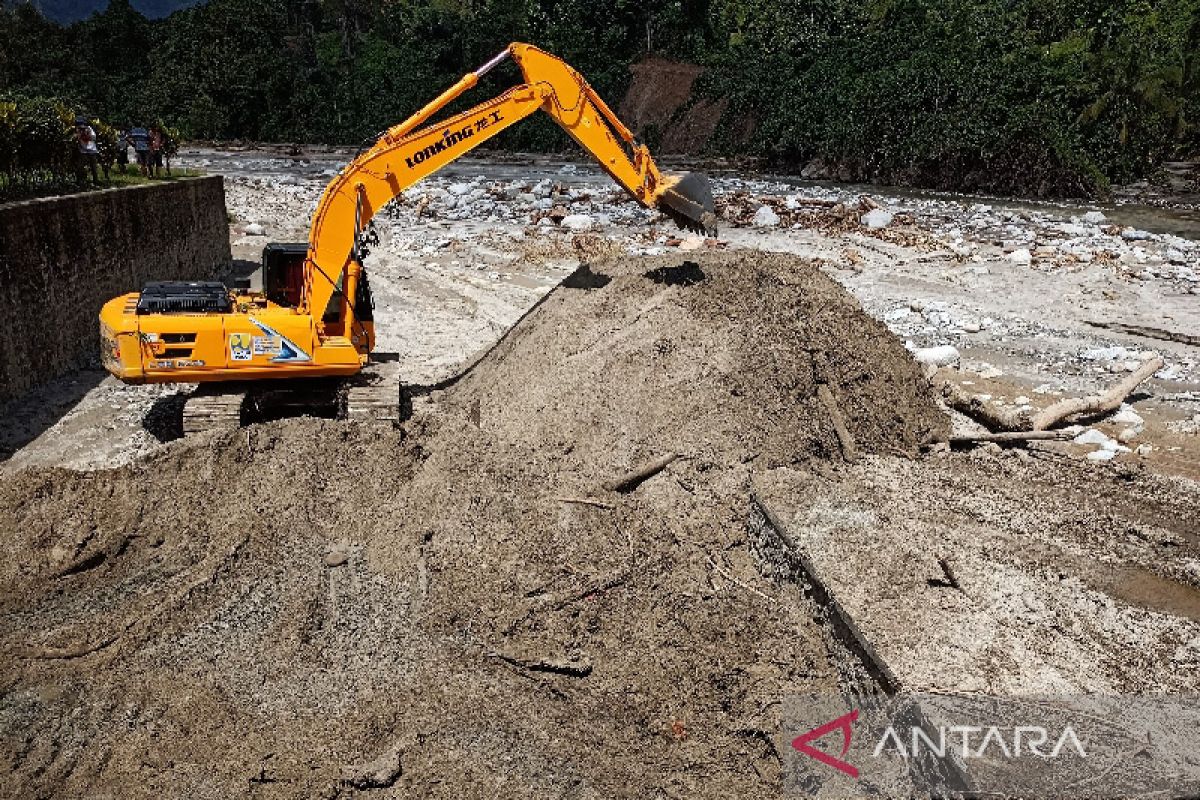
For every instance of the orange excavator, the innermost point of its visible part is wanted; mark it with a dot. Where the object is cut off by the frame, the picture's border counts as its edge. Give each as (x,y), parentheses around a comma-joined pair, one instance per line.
(313,318)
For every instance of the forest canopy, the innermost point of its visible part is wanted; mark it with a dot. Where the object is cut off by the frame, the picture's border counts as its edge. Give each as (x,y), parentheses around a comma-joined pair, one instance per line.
(1033,96)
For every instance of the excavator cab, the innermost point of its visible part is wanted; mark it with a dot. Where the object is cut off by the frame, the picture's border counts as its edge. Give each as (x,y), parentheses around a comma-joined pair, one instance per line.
(283,272)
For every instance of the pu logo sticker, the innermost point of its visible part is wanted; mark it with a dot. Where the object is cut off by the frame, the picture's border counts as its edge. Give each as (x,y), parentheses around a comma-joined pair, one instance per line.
(239,347)
(288,350)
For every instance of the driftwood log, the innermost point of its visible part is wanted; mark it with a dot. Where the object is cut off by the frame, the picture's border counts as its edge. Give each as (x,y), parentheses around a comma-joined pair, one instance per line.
(1097,403)
(1011,420)
(992,417)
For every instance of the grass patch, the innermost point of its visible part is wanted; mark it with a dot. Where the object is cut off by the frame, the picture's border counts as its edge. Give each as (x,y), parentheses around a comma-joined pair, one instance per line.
(14,191)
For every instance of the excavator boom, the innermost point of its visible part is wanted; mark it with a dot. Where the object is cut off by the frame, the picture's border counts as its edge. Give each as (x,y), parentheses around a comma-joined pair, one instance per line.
(407,153)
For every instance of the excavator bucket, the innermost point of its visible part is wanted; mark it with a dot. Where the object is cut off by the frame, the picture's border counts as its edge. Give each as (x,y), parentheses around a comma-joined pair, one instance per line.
(688,200)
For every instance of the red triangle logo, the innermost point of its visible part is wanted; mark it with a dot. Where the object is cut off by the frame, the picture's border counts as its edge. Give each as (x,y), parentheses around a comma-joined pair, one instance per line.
(842,723)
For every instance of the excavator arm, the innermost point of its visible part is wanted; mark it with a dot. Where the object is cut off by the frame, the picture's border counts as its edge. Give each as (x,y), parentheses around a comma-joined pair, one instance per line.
(408,152)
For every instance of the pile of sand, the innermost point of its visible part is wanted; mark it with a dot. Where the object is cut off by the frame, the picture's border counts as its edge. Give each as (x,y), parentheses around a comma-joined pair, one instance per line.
(307,608)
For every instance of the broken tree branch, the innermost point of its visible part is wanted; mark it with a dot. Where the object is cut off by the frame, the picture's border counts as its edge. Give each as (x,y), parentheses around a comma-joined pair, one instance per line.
(724,574)
(585,501)
(825,394)
(1009,436)
(572,668)
(633,479)
(977,408)
(1099,403)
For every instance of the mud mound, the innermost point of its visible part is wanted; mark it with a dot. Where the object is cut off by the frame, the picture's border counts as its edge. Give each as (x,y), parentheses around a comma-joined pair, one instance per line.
(459,609)
(717,360)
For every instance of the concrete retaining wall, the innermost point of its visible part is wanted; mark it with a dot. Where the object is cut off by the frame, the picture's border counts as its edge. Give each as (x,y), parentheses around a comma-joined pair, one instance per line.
(61,258)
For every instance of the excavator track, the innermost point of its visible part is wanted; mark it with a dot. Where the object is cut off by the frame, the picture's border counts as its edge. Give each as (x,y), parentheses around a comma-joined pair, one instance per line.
(372,395)
(213,407)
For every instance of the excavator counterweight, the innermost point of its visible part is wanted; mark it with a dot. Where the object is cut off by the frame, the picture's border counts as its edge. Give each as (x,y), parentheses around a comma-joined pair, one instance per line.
(313,318)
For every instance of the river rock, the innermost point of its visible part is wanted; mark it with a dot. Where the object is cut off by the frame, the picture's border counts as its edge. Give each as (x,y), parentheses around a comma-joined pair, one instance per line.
(765,217)
(1092,436)
(1094,218)
(1126,416)
(877,218)
(254,229)
(578,222)
(1105,353)
(1021,256)
(941,356)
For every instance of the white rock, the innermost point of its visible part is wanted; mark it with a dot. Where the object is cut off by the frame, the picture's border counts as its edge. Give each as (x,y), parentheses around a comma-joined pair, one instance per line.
(1126,416)
(1170,373)
(1187,274)
(1022,400)
(1144,449)
(1105,353)
(578,222)
(940,356)
(459,189)
(254,229)
(1094,217)
(1134,235)
(1101,455)
(1021,256)
(1175,256)
(1092,436)
(971,326)
(897,314)
(877,218)
(1127,435)
(765,217)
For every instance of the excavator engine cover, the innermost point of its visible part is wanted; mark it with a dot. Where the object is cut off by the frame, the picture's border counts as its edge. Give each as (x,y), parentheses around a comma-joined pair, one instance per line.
(195,297)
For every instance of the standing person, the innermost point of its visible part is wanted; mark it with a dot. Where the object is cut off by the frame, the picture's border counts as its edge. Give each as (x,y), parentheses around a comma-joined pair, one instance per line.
(89,153)
(123,149)
(156,149)
(139,137)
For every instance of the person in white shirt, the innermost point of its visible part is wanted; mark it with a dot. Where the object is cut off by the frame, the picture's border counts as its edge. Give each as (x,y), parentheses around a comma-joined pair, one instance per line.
(89,153)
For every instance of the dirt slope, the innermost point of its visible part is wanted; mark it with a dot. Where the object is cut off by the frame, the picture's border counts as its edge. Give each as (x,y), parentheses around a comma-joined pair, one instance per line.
(309,608)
